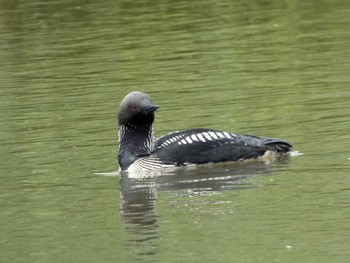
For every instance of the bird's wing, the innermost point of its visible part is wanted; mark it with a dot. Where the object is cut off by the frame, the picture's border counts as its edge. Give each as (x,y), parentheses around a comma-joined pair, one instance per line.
(205,145)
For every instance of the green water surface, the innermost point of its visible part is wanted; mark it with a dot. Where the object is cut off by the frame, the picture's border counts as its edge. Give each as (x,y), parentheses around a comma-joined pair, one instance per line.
(268,68)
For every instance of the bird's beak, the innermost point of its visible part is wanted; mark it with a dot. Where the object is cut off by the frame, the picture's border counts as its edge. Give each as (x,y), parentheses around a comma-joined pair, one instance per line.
(150,109)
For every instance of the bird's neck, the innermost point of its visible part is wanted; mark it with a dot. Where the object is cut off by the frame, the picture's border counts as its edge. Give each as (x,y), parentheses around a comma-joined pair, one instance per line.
(134,142)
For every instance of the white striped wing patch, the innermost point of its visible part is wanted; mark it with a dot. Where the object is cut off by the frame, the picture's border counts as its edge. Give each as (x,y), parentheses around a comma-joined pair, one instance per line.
(183,139)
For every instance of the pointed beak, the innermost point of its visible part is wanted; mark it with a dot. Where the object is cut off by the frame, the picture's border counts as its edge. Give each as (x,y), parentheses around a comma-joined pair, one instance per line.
(150,109)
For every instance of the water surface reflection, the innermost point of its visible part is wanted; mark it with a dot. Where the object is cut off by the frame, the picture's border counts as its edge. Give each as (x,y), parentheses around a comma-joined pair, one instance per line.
(139,193)
(138,212)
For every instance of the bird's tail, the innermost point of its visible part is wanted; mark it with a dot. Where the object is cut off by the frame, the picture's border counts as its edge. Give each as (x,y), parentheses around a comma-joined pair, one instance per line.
(278,145)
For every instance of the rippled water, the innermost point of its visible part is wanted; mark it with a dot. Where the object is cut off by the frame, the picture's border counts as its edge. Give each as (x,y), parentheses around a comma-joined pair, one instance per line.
(268,68)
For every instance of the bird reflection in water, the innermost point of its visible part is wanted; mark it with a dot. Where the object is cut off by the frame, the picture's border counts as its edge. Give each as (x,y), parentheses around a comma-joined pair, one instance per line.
(138,212)
(139,193)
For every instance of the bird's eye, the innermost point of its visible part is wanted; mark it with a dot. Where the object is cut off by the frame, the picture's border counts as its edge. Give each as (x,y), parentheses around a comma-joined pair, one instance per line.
(134,108)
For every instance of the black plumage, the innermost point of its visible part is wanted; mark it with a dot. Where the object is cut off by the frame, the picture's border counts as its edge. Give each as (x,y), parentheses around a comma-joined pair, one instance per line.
(139,150)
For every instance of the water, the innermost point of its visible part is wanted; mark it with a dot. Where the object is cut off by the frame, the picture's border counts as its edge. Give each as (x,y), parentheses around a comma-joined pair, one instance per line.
(268,68)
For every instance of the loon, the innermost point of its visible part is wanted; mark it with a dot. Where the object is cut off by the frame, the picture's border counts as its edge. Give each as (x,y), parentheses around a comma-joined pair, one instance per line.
(139,150)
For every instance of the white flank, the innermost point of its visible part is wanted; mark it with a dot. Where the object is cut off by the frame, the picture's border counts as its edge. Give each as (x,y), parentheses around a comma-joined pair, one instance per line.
(147,164)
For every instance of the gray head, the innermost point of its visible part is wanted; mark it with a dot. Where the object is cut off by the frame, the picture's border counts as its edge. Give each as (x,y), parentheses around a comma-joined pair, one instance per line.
(136,109)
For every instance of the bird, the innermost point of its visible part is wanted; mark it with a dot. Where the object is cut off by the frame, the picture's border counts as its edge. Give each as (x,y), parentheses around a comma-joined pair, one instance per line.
(139,150)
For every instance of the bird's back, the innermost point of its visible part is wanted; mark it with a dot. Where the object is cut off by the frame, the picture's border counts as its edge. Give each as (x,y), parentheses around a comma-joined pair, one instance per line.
(206,145)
